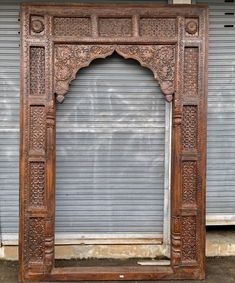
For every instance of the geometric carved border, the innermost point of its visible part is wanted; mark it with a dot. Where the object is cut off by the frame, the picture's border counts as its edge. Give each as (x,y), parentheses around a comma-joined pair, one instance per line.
(59,40)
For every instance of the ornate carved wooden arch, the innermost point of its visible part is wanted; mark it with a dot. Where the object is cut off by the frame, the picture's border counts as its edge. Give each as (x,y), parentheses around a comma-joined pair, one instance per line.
(160,59)
(57,40)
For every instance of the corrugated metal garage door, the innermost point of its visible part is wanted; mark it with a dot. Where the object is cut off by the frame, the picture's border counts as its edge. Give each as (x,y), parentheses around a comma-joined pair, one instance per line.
(9,138)
(9,117)
(221,113)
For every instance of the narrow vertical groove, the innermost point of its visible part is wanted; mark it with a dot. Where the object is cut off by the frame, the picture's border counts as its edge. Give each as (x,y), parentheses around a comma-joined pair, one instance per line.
(135,25)
(94,24)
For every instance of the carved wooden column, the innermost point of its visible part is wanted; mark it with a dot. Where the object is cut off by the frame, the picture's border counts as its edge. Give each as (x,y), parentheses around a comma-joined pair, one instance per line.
(37,148)
(189,147)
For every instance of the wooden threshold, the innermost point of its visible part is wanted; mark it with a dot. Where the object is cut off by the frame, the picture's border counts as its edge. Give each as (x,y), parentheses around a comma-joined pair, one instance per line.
(117,273)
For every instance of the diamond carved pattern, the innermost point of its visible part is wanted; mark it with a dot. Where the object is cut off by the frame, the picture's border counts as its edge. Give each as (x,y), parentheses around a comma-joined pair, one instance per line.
(37,184)
(189,128)
(158,27)
(191,71)
(37,128)
(72,26)
(37,71)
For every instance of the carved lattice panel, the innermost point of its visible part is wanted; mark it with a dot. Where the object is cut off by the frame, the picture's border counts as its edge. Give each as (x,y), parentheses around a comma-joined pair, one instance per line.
(59,40)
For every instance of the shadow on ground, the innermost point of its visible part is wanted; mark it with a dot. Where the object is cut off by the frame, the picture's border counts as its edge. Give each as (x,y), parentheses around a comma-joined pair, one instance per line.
(218,270)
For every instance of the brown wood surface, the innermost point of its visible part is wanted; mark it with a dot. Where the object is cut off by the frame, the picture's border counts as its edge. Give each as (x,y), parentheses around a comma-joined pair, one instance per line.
(58,40)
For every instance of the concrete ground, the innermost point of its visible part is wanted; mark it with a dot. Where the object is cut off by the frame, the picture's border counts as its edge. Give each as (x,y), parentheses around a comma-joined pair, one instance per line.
(218,270)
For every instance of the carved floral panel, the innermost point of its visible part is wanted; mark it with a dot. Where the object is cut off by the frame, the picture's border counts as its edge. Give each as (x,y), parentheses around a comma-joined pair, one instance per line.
(37,71)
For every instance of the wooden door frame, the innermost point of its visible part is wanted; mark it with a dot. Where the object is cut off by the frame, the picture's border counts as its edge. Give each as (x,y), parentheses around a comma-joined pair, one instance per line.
(58,40)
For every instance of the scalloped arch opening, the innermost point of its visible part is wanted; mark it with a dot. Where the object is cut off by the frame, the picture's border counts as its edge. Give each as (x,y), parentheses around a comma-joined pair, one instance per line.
(114,114)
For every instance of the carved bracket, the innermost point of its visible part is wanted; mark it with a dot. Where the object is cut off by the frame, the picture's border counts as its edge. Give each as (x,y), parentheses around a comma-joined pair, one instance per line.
(69,59)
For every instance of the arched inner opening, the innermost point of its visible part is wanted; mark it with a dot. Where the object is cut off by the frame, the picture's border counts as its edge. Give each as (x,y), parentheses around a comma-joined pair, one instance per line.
(112,156)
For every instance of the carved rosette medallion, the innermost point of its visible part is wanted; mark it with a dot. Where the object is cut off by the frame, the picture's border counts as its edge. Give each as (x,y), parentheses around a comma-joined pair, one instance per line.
(191,27)
(37,25)
(70,58)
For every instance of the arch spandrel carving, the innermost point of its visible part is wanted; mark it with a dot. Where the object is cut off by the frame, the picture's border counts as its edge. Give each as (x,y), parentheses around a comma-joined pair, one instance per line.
(69,59)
